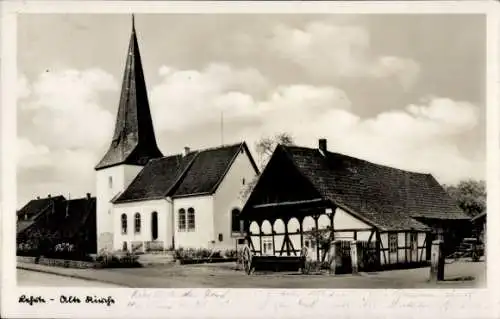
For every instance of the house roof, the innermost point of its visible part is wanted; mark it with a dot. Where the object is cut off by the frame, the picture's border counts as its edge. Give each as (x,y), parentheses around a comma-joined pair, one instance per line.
(390,197)
(29,213)
(60,218)
(134,139)
(386,197)
(197,173)
(479,216)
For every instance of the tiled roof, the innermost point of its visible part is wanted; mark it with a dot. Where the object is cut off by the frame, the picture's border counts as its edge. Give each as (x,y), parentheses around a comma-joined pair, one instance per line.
(29,213)
(198,172)
(387,198)
(391,198)
(60,219)
(134,139)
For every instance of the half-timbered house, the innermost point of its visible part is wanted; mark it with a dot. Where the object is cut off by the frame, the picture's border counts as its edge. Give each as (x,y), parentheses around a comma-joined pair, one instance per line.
(304,191)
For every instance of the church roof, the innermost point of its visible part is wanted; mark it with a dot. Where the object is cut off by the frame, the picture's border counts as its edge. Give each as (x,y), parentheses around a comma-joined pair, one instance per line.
(389,198)
(134,139)
(197,173)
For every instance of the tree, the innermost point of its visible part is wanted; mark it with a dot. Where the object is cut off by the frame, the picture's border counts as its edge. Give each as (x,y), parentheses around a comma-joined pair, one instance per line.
(470,196)
(266,145)
(265,148)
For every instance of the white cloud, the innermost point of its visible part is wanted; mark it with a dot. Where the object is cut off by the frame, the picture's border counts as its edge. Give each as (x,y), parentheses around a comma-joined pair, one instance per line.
(186,97)
(421,137)
(30,155)
(64,108)
(328,50)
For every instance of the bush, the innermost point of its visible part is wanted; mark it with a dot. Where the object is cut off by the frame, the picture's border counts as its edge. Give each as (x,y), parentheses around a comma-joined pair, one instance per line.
(127,260)
(203,253)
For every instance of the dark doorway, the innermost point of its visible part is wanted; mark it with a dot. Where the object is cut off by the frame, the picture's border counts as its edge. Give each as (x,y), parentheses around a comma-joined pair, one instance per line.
(154,225)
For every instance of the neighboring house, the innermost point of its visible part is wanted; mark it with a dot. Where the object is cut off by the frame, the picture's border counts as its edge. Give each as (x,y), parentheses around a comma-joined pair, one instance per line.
(302,189)
(148,201)
(54,220)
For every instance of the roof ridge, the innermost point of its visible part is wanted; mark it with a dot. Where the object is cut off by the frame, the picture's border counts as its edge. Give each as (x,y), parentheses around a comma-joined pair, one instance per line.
(360,159)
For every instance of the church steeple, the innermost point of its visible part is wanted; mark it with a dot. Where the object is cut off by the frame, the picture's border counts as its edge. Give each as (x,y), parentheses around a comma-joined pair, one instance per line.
(134,139)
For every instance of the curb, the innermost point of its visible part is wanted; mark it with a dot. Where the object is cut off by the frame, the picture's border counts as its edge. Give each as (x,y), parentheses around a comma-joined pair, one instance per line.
(72,276)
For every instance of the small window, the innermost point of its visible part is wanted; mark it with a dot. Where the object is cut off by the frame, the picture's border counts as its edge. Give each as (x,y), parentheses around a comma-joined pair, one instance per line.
(393,243)
(235,220)
(241,241)
(220,237)
(124,223)
(124,246)
(182,219)
(110,182)
(243,181)
(137,223)
(190,219)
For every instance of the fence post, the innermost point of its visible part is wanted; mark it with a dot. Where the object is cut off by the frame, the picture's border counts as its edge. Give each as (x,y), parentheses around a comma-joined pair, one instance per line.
(354,257)
(335,256)
(437,261)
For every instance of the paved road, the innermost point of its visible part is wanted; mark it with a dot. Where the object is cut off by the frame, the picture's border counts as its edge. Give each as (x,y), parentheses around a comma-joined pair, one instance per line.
(39,279)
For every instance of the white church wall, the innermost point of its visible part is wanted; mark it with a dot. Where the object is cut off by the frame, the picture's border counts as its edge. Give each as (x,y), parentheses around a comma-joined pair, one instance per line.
(145,209)
(227,198)
(109,182)
(203,235)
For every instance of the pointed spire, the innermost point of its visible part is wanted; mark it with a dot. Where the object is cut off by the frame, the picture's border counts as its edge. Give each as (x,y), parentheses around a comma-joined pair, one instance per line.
(134,139)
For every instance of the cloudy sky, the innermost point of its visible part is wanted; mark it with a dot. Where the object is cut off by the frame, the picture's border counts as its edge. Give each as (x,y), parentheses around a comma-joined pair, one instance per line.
(401,90)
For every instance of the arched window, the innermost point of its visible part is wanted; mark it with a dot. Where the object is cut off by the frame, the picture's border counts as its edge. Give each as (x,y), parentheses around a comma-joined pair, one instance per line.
(190,219)
(137,223)
(182,219)
(235,220)
(154,225)
(124,223)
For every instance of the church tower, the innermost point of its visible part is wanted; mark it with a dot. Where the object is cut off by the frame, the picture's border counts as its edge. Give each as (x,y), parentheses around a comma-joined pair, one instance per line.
(132,146)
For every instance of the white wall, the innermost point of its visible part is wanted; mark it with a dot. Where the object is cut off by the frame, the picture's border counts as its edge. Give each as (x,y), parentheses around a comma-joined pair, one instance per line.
(400,256)
(145,209)
(227,197)
(203,234)
(122,176)
(344,220)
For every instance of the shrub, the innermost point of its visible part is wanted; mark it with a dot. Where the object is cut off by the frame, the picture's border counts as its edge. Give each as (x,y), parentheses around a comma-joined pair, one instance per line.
(111,260)
(203,253)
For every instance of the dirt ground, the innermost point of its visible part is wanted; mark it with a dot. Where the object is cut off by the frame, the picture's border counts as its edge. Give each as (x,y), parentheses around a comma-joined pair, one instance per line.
(457,275)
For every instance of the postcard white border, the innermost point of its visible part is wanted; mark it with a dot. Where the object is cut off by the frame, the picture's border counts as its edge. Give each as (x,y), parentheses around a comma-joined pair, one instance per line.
(249,303)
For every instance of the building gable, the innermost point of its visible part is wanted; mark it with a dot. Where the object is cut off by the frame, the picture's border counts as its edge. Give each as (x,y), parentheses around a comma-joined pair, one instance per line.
(280,182)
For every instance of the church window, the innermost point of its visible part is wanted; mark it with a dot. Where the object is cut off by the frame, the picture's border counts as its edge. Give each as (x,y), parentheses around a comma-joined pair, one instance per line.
(182,219)
(235,220)
(154,225)
(110,182)
(124,223)
(137,223)
(191,219)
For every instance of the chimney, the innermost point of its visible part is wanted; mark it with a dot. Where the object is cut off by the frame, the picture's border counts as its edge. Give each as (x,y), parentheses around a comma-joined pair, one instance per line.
(38,197)
(88,195)
(48,196)
(186,150)
(322,145)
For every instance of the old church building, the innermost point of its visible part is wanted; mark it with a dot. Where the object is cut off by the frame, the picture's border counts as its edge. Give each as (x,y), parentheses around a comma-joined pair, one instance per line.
(149,201)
